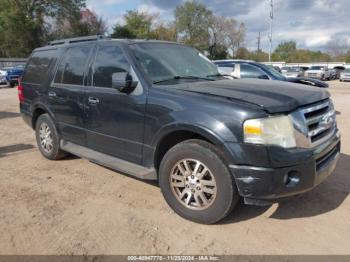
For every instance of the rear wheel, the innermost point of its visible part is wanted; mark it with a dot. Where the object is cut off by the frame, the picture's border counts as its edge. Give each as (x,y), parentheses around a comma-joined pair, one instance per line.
(47,138)
(196,182)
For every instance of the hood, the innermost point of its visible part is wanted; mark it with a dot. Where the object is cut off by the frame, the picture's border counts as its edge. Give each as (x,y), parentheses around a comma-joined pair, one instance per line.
(271,96)
(308,81)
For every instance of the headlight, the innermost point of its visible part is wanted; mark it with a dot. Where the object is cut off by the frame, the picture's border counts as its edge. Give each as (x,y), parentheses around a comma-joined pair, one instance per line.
(270,131)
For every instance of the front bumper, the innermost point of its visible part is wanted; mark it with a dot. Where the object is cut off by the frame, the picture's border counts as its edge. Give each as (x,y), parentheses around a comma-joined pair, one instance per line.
(268,184)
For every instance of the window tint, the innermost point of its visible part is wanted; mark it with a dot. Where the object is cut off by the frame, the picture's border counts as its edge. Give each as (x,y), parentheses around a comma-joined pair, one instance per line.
(39,66)
(72,67)
(248,71)
(109,60)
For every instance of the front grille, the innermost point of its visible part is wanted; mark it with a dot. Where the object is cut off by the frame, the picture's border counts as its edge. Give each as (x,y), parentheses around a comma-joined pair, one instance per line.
(312,74)
(320,121)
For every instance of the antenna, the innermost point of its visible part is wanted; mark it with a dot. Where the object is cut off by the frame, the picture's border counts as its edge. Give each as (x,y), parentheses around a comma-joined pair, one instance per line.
(271,24)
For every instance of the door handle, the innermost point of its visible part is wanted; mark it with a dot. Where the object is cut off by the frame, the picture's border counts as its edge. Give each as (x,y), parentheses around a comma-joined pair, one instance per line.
(52,94)
(93,100)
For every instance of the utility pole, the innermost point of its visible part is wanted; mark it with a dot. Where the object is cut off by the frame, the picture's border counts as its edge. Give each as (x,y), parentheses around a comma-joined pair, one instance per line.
(259,39)
(271,23)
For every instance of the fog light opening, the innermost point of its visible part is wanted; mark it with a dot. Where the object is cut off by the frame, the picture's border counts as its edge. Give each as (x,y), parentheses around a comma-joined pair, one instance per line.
(292,179)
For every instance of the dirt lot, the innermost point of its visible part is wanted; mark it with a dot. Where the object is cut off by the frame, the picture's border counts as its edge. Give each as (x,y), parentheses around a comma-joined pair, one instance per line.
(75,207)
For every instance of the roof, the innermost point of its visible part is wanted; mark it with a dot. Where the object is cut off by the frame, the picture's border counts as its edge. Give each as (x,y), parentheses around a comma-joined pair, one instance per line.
(99,38)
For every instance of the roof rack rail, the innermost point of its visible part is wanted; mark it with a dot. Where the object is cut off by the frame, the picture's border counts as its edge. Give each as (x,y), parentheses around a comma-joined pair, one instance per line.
(78,39)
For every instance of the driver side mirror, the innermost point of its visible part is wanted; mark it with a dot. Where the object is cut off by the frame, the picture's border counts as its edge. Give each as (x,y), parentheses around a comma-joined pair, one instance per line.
(123,82)
(263,77)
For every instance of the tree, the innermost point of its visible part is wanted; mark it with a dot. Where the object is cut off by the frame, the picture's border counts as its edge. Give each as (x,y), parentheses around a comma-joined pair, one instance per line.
(86,23)
(144,25)
(192,22)
(164,31)
(235,35)
(139,23)
(285,51)
(121,31)
(24,26)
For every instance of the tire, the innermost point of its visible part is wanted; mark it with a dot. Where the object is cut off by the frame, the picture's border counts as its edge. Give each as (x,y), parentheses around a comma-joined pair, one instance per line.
(221,198)
(50,147)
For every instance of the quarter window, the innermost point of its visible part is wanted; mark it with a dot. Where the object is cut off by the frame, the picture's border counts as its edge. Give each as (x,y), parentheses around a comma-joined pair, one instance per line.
(72,67)
(109,60)
(39,66)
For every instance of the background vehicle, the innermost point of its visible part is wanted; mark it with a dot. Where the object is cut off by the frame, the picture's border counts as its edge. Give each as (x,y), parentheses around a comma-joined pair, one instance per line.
(250,69)
(13,74)
(294,72)
(3,74)
(345,75)
(318,72)
(284,69)
(333,74)
(160,110)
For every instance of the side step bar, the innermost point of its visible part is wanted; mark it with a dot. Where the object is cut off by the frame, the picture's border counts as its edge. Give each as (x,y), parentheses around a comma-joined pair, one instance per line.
(109,161)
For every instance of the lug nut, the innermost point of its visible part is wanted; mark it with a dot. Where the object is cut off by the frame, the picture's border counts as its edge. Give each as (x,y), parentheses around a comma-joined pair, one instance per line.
(192,177)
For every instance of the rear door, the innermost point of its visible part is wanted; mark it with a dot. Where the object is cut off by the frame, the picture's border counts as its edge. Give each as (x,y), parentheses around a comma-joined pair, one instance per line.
(115,120)
(66,94)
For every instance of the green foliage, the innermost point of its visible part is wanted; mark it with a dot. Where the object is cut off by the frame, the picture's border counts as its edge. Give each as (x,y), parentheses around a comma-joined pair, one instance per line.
(143,26)
(23,25)
(138,23)
(192,22)
(218,51)
(284,51)
(120,31)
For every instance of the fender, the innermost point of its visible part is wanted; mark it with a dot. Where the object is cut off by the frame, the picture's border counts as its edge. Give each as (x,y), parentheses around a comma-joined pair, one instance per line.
(215,138)
(41,105)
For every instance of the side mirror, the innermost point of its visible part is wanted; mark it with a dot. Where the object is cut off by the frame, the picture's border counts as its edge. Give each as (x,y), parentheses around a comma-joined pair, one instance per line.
(123,82)
(263,77)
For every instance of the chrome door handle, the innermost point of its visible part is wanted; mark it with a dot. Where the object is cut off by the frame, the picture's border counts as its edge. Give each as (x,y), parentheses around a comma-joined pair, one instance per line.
(52,94)
(93,100)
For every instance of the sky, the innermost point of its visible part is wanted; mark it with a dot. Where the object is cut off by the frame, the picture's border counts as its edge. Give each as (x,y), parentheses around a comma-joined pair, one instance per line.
(313,24)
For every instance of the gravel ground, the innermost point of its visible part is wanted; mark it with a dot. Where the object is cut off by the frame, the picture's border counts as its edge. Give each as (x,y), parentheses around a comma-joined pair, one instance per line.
(75,207)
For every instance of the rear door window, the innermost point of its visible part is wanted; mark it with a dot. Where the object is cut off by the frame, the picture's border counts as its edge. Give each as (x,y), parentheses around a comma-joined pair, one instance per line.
(39,66)
(109,60)
(73,65)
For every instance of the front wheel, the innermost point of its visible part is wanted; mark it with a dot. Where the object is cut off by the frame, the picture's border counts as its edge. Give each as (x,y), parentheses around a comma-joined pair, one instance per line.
(197,183)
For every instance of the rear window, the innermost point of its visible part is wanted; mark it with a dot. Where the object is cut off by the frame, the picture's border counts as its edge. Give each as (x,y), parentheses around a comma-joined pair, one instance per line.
(39,66)
(72,67)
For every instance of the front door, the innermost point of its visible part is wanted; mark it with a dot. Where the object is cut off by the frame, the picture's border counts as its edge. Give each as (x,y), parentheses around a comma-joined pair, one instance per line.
(66,93)
(114,120)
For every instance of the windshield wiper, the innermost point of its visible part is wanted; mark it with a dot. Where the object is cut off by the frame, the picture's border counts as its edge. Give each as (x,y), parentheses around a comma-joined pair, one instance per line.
(183,77)
(223,75)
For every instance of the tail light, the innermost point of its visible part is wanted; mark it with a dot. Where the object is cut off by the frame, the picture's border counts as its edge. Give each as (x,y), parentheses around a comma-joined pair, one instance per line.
(20,91)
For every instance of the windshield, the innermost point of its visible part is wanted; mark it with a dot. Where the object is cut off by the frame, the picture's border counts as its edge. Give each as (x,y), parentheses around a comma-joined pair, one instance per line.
(163,61)
(274,72)
(347,70)
(316,68)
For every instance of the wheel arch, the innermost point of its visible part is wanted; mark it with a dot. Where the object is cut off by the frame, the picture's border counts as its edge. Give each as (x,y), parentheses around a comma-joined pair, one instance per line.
(38,110)
(172,135)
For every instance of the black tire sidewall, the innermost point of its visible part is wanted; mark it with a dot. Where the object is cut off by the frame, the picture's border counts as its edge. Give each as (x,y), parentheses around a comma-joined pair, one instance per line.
(55,152)
(227,195)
